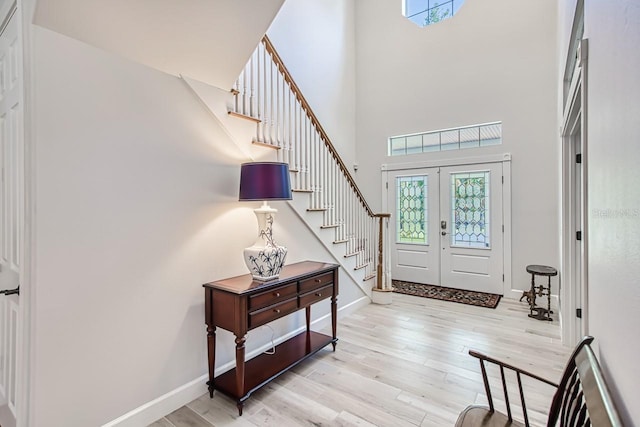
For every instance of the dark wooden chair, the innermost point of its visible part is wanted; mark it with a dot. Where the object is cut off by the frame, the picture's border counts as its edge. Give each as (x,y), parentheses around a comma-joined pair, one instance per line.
(581,398)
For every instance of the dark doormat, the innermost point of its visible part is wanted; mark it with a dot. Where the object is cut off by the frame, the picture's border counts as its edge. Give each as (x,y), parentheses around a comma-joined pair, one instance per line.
(481,299)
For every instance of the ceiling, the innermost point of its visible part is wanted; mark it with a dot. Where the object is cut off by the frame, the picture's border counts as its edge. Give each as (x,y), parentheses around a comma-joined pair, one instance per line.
(208,40)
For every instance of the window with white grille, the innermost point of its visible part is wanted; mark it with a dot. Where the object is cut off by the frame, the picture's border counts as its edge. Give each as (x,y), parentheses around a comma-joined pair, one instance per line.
(460,138)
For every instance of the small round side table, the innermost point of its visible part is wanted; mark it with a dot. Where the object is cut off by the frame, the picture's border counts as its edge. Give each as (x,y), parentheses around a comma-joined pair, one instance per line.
(536,312)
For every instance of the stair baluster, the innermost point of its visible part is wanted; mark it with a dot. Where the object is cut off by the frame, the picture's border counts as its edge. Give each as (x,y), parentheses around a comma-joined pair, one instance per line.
(266,91)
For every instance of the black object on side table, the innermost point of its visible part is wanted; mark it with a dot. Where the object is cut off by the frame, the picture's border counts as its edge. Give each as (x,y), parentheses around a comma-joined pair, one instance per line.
(536,312)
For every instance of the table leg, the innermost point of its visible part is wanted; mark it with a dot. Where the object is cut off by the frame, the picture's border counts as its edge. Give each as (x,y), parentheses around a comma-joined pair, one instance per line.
(308,317)
(533,293)
(211,349)
(549,299)
(334,319)
(240,369)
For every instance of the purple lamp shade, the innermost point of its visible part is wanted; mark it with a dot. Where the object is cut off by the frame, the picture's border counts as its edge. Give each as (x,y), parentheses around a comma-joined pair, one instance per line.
(265,181)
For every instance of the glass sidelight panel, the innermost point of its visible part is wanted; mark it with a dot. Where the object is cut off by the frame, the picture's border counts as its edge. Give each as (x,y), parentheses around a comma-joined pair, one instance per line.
(470,209)
(411,209)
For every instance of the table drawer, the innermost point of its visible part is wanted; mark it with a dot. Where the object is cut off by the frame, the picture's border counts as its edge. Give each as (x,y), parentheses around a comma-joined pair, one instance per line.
(272,296)
(315,295)
(273,312)
(317,282)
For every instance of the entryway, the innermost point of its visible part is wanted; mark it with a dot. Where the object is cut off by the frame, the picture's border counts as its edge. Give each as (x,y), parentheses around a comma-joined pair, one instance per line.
(447,226)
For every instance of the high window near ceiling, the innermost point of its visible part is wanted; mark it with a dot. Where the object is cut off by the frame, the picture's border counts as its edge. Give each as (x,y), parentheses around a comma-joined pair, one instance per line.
(473,136)
(427,12)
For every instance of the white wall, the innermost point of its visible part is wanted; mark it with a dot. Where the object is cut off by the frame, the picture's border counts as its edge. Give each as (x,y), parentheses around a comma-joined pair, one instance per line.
(613,94)
(136,200)
(316,42)
(495,60)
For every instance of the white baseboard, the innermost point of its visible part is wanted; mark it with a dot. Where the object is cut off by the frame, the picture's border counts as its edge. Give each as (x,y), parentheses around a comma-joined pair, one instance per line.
(163,405)
(174,399)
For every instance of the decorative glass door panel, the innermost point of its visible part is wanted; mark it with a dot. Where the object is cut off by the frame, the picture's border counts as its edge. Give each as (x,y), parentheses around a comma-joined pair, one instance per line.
(413,195)
(471,229)
(470,209)
(411,209)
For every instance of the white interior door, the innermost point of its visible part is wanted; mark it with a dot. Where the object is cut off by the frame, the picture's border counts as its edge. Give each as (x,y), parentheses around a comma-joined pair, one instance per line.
(574,290)
(472,228)
(413,196)
(11,216)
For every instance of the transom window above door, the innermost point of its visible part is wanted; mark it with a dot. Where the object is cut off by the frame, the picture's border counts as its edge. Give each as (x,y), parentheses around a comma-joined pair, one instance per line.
(474,136)
(427,12)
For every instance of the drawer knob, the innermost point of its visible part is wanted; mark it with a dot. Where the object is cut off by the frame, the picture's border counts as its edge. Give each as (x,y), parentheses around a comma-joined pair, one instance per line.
(318,280)
(276,310)
(318,294)
(276,294)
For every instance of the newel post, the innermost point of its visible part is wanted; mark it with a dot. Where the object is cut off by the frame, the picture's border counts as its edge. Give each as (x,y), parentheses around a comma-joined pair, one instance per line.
(382,291)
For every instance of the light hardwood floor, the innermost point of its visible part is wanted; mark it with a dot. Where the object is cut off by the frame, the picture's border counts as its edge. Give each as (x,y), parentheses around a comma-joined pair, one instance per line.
(405,364)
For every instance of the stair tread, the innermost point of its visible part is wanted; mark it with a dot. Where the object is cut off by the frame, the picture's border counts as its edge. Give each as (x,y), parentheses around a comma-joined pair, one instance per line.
(349,255)
(266,144)
(244,116)
(361,266)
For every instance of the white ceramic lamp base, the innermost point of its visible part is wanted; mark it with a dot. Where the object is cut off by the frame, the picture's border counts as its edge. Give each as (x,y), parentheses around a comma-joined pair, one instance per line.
(265,258)
(265,263)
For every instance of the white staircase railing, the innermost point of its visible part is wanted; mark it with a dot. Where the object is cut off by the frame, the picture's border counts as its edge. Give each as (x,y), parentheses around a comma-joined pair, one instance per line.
(266,93)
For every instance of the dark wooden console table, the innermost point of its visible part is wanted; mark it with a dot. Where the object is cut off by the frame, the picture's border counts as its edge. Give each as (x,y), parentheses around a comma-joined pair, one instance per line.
(240,304)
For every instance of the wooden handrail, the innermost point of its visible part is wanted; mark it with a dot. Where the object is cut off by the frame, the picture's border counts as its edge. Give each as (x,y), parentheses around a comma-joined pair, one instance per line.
(314,120)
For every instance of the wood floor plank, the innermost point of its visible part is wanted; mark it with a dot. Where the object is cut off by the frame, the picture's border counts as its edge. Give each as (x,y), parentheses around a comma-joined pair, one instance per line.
(185,417)
(162,422)
(404,364)
(222,411)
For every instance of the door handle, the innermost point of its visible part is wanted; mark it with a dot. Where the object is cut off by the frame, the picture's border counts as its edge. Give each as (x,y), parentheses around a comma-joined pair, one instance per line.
(15,291)
(444,233)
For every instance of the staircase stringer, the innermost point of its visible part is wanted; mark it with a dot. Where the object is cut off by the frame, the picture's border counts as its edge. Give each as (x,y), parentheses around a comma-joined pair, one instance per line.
(216,102)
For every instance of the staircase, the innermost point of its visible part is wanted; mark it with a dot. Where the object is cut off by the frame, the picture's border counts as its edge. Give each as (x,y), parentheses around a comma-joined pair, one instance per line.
(326,196)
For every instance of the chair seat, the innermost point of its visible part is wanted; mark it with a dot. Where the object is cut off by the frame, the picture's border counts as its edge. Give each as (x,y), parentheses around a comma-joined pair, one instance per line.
(480,416)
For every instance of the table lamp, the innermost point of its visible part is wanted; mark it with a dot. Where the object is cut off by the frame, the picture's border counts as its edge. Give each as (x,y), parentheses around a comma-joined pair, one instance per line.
(265,181)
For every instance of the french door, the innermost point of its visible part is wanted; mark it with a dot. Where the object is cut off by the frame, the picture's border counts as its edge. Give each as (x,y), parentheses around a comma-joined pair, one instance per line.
(472,228)
(415,254)
(447,226)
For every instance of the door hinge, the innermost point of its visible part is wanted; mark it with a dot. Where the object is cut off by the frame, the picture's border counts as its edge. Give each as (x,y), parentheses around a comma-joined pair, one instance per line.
(578,158)
(503,228)
(503,277)
(503,179)
(386,184)
(578,235)
(579,313)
